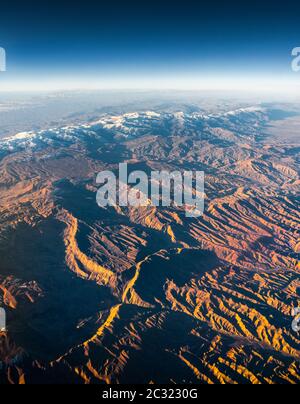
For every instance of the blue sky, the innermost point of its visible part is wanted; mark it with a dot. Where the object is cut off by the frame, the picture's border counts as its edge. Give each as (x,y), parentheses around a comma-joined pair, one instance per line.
(123,43)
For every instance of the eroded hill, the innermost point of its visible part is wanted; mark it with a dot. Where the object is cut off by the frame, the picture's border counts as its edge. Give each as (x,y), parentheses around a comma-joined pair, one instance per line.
(147,295)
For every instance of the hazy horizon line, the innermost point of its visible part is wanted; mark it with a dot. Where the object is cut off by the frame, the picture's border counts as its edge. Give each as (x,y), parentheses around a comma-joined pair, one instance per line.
(258,86)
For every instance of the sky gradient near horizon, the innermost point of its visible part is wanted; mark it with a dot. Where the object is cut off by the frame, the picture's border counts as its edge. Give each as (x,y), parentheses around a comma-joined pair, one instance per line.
(124,44)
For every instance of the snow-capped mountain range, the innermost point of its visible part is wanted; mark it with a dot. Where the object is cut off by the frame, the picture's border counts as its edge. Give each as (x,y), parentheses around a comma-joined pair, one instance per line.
(243,122)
